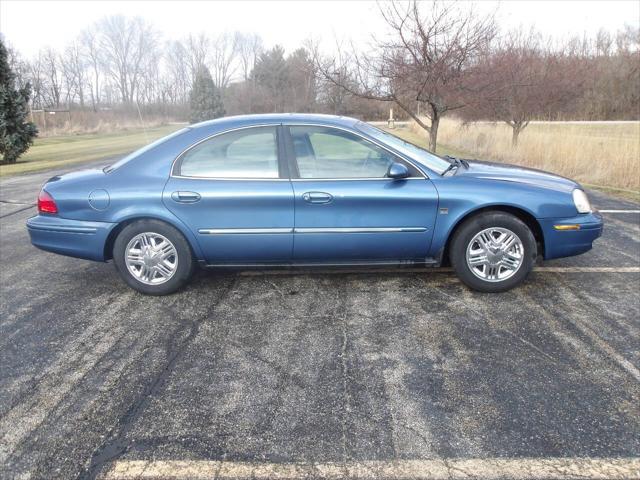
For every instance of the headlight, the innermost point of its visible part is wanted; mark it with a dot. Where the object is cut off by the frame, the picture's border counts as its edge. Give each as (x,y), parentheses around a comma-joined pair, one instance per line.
(581,201)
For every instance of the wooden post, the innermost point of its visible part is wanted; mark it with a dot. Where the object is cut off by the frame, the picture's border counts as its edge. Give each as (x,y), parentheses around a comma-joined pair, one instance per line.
(391,121)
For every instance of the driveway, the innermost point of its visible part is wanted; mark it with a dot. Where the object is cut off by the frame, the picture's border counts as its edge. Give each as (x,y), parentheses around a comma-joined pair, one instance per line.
(361,374)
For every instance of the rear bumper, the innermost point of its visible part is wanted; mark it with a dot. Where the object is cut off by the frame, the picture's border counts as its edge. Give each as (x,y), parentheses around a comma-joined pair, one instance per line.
(74,238)
(566,243)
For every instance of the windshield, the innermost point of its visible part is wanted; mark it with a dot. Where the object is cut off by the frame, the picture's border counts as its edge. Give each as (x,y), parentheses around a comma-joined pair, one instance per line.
(140,151)
(425,157)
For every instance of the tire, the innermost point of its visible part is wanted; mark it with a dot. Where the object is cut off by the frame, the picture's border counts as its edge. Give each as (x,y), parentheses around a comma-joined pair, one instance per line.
(476,237)
(160,258)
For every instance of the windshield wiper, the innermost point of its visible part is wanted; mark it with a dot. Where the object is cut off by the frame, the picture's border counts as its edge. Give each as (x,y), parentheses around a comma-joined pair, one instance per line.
(455,163)
(451,166)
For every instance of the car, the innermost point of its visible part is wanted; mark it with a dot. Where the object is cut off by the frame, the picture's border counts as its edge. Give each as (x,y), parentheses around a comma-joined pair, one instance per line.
(289,190)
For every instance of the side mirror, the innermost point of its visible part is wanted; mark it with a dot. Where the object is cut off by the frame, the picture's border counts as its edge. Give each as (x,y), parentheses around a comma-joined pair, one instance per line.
(397,171)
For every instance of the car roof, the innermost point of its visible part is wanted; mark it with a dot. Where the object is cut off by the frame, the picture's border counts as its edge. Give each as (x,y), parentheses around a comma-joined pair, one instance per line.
(275,118)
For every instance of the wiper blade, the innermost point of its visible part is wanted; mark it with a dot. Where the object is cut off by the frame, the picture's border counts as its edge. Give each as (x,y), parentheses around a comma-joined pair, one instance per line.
(450,167)
(457,161)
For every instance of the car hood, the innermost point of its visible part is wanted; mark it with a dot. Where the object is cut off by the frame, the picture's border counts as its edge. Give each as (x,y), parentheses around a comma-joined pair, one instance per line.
(513,173)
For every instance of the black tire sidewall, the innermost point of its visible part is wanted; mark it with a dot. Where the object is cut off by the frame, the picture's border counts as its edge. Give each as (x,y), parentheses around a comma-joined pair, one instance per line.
(185,256)
(475,225)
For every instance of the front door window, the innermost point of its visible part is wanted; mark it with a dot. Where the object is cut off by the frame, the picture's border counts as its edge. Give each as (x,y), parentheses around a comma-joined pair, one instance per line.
(324,152)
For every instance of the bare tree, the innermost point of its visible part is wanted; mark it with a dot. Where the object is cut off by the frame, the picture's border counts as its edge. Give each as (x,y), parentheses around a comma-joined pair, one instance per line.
(74,72)
(35,69)
(428,59)
(248,47)
(125,44)
(53,85)
(179,73)
(528,79)
(195,51)
(222,53)
(90,51)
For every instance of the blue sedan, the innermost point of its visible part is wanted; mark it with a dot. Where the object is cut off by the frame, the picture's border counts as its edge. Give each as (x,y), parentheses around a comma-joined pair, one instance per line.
(307,190)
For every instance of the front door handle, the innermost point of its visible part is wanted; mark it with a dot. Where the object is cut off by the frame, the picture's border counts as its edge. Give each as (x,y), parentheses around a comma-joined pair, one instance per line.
(185,197)
(317,197)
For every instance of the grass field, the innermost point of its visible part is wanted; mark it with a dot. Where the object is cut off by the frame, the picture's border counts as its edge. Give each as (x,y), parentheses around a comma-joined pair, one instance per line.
(602,154)
(69,149)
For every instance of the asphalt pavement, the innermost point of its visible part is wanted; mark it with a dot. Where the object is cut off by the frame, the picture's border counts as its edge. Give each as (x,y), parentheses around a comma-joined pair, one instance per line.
(375,374)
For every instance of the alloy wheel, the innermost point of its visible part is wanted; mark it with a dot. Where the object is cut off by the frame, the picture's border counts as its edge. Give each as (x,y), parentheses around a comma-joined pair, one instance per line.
(495,254)
(151,258)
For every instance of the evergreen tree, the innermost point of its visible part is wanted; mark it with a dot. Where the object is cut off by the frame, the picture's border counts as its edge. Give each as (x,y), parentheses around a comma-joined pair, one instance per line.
(16,134)
(205,99)
(271,75)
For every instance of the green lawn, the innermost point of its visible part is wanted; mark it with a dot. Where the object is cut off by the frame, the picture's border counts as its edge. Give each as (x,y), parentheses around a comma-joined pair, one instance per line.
(65,150)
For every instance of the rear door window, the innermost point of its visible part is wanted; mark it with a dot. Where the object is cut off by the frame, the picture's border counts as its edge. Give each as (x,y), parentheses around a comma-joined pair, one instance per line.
(245,153)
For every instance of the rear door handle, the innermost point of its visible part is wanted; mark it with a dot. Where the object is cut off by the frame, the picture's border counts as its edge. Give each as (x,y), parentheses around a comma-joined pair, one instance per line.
(185,197)
(317,197)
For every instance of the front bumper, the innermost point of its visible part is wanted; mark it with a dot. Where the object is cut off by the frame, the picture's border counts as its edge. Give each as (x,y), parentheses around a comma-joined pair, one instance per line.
(74,238)
(566,243)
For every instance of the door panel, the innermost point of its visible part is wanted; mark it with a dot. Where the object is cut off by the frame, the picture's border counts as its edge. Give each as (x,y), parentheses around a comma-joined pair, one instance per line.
(376,220)
(237,221)
(232,190)
(346,209)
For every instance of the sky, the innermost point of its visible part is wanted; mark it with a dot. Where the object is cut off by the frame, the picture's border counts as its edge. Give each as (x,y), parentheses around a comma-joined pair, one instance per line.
(30,25)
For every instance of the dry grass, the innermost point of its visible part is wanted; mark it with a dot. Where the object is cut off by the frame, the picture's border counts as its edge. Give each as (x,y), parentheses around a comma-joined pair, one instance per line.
(80,122)
(603,154)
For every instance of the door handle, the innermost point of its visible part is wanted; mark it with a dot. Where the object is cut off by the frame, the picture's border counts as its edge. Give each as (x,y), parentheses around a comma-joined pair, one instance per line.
(317,197)
(185,197)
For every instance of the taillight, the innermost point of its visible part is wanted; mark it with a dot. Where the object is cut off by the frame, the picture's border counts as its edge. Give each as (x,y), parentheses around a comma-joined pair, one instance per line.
(46,204)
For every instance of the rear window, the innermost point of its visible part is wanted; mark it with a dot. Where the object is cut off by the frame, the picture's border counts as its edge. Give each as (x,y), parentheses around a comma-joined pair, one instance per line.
(245,153)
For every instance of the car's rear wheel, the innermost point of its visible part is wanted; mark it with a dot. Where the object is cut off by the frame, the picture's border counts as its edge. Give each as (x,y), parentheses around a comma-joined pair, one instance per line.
(153,257)
(493,251)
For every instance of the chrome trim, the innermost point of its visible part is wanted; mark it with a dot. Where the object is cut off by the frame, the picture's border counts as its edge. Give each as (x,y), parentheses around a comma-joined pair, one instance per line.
(368,139)
(271,231)
(354,178)
(243,231)
(237,179)
(360,230)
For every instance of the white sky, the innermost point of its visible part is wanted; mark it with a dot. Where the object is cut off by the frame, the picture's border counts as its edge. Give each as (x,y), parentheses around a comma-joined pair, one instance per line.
(31,25)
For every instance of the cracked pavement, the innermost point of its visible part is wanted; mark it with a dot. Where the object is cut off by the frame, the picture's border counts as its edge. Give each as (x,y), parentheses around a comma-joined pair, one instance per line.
(379,374)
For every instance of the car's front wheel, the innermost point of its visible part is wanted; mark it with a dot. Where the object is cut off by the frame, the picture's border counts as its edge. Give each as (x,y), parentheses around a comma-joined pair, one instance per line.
(152,257)
(493,251)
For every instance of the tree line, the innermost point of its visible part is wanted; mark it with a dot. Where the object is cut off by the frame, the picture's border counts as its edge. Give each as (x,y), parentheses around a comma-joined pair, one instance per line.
(434,59)
(444,58)
(123,63)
